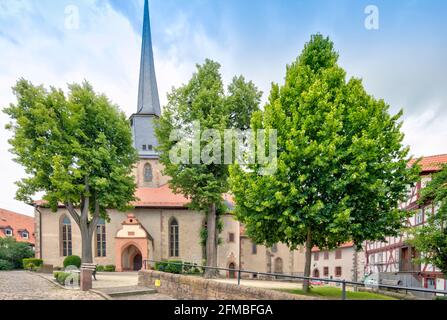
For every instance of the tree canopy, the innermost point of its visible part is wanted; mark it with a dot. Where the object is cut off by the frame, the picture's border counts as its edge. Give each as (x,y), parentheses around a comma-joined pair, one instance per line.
(341,168)
(204,102)
(77,149)
(431,238)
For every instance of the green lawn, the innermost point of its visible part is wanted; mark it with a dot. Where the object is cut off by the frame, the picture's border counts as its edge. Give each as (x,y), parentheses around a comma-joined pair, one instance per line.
(335,293)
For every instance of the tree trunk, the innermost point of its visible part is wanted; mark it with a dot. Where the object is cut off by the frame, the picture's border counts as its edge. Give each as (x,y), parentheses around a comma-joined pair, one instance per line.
(211,242)
(86,227)
(87,252)
(307,265)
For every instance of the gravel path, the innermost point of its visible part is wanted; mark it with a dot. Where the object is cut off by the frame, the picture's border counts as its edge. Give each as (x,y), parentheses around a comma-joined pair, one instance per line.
(21,285)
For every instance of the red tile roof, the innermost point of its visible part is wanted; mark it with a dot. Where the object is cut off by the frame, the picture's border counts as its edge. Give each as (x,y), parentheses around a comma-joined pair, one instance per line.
(431,163)
(159,197)
(162,197)
(17,222)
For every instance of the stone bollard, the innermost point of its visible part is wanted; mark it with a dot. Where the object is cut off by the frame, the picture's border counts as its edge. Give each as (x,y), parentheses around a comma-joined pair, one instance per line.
(86,277)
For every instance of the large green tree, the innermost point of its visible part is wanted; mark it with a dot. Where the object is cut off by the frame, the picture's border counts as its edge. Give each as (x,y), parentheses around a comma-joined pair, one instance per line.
(431,238)
(76,149)
(341,166)
(204,102)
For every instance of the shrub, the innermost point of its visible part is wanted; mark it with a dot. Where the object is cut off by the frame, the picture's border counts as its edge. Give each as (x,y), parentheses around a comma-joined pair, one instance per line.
(109,268)
(191,268)
(62,276)
(14,252)
(72,261)
(6,265)
(99,268)
(32,263)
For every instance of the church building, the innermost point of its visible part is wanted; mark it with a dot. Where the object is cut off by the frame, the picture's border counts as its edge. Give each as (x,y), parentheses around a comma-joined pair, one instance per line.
(160,227)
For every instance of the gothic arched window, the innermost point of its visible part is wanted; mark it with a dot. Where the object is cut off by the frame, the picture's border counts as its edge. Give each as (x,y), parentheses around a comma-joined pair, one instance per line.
(101,239)
(66,238)
(148,173)
(173,238)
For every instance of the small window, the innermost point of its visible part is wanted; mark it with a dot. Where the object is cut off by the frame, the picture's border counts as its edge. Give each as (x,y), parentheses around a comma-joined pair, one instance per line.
(326,271)
(338,271)
(150,147)
(326,255)
(275,248)
(8,232)
(25,235)
(231,237)
(254,248)
(419,217)
(338,254)
(316,256)
(144,147)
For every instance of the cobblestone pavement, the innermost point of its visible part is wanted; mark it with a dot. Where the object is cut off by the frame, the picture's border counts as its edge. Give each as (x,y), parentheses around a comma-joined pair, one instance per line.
(21,285)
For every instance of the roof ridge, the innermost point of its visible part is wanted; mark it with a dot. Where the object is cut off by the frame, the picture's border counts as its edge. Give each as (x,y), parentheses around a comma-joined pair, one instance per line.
(13,212)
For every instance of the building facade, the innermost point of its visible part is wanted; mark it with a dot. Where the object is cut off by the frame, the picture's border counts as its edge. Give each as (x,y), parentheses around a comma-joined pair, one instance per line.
(160,227)
(395,259)
(343,263)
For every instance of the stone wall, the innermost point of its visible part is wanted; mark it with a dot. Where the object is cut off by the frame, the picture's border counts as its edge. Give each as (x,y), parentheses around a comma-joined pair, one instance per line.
(196,288)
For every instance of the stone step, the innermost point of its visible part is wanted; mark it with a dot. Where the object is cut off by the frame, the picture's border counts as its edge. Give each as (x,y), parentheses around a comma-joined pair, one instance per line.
(127,291)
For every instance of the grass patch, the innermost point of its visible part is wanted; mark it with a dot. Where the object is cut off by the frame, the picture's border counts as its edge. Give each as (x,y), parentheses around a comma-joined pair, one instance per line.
(335,293)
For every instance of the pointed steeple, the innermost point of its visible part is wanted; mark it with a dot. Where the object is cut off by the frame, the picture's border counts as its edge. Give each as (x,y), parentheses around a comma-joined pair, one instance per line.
(148,100)
(142,122)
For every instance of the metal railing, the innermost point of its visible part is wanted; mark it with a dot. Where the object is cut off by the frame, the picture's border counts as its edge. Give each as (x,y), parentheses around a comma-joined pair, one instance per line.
(343,283)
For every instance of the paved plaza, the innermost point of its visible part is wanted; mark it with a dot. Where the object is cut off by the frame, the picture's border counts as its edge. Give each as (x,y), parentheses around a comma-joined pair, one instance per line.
(21,285)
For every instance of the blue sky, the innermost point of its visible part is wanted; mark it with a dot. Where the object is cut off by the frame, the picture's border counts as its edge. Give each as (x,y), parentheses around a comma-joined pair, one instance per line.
(403,62)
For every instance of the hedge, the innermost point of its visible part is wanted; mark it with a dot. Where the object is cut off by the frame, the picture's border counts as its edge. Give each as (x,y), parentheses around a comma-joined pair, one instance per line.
(177,267)
(61,276)
(14,252)
(5,265)
(109,268)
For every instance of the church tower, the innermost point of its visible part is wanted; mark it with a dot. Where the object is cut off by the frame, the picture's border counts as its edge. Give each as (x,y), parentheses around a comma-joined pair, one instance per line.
(148,110)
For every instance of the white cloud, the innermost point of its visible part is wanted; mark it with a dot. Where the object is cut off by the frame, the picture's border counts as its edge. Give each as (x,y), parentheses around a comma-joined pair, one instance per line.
(105,50)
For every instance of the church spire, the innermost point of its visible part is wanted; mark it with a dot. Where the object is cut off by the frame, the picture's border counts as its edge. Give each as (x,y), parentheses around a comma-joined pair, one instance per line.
(148,100)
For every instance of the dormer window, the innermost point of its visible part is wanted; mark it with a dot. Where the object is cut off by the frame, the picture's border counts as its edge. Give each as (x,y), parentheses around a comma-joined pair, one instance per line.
(8,232)
(25,235)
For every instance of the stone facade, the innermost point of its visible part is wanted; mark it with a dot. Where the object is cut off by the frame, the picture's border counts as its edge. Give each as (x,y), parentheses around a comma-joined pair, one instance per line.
(194,288)
(350,263)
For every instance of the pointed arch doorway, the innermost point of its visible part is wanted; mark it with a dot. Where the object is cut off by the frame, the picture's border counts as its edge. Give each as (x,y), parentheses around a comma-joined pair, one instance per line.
(131,258)
(133,245)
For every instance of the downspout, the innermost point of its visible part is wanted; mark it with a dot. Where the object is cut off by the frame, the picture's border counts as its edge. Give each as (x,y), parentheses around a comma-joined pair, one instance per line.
(36,208)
